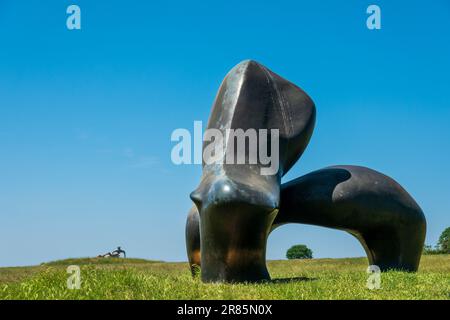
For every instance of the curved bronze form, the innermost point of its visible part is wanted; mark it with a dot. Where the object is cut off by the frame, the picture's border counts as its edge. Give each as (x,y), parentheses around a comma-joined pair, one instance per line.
(369,205)
(193,238)
(237,207)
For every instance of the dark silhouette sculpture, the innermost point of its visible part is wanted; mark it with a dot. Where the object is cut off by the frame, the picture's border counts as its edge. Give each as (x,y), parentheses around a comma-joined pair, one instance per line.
(193,238)
(236,207)
(114,254)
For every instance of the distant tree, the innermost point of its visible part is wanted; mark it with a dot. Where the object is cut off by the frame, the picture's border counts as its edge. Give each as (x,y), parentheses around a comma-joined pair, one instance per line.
(443,245)
(444,241)
(427,250)
(299,251)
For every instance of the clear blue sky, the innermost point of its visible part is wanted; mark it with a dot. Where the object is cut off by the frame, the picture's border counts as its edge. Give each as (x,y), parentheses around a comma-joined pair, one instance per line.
(86,116)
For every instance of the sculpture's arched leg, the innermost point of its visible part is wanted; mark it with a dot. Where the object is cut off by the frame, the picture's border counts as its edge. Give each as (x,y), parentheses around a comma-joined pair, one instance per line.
(369,205)
(193,239)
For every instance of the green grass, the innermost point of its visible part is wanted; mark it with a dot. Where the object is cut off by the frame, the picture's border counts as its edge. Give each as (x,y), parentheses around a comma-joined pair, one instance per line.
(305,279)
(97,261)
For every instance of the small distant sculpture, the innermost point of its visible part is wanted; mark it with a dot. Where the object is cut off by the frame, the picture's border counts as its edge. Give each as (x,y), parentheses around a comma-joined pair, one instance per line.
(114,254)
(236,208)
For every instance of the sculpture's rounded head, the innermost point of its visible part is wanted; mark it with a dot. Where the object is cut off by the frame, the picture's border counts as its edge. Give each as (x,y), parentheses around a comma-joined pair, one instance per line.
(259,126)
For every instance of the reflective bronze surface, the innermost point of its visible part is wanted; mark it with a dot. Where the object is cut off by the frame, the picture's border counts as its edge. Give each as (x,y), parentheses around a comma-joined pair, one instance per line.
(237,207)
(237,204)
(193,239)
(369,205)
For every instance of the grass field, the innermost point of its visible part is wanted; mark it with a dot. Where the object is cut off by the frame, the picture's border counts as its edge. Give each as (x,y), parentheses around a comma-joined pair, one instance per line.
(301,279)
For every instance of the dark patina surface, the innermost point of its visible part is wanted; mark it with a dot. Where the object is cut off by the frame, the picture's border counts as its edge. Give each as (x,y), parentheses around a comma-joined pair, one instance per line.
(236,207)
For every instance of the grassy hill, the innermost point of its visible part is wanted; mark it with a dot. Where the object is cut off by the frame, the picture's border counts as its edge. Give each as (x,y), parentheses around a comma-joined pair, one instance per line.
(302,279)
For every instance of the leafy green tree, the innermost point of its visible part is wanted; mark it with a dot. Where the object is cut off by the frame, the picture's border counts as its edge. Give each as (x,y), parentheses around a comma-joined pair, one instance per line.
(299,251)
(444,241)
(427,250)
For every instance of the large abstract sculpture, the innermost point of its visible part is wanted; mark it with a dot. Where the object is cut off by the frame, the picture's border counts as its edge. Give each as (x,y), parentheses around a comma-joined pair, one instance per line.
(236,207)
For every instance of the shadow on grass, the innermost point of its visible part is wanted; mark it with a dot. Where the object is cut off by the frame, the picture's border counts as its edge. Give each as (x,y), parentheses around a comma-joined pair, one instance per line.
(293,279)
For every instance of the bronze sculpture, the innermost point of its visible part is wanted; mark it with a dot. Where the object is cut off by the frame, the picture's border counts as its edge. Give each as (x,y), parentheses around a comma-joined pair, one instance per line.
(236,207)
(114,254)
(193,238)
